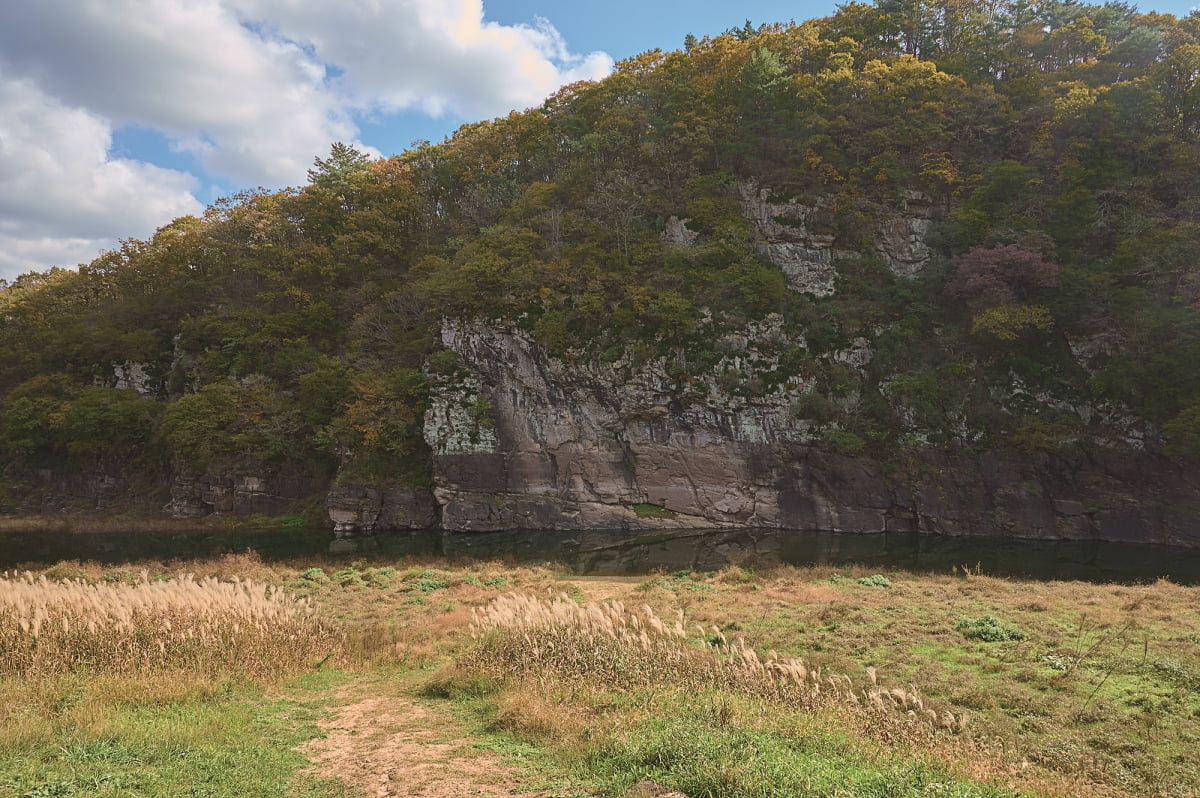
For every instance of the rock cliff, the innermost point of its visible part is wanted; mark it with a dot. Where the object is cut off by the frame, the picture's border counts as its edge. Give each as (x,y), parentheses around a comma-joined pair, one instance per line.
(522,440)
(791,237)
(240,494)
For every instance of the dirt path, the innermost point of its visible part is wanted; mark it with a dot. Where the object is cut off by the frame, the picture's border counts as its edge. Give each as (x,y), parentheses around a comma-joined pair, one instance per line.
(602,588)
(385,743)
(394,745)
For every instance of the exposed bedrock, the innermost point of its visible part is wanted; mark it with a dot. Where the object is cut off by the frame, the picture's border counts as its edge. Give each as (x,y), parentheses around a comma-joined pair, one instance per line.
(522,440)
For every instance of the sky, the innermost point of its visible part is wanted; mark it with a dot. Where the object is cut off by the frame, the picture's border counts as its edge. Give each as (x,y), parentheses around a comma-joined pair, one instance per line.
(117,116)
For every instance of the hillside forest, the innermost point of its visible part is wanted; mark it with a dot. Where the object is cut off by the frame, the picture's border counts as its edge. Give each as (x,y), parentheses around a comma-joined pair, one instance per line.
(1053,147)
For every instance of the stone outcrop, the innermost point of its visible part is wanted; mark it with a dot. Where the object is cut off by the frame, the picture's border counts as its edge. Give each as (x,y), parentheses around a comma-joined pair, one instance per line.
(792,240)
(900,235)
(678,234)
(522,440)
(209,494)
(135,376)
(353,507)
(356,508)
(788,240)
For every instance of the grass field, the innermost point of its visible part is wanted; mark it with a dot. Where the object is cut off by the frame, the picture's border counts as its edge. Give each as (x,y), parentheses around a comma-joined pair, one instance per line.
(216,677)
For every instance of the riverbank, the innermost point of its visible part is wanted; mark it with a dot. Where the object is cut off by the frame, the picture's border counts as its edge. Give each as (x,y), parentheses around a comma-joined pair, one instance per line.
(40,542)
(141,522)
(1052,688)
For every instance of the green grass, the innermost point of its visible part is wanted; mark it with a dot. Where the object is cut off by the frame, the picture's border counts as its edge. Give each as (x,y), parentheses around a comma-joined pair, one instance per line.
(680,580)
(652,511)
(225,744)
(714,744)
(690,748)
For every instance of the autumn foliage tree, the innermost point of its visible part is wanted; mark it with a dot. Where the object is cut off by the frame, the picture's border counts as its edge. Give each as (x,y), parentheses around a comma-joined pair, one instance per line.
(999,284)
(1000,275)
(293,329)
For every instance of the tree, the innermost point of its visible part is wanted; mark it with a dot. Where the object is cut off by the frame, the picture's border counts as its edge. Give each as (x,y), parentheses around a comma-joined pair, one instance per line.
(999,284)
(1006,322)
(105,422)
(335,190)
(342,172)
(1000,275)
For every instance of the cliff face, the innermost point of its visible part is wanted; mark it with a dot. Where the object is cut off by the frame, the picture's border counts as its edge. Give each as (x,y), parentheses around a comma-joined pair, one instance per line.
(524,440)
(521,440)
(791,238)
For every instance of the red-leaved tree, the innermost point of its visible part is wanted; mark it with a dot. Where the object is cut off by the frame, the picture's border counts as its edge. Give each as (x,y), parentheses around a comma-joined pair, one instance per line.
(1002,275)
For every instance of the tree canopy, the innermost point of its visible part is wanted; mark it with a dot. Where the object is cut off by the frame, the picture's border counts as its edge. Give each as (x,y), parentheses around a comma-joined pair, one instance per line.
(1056,142)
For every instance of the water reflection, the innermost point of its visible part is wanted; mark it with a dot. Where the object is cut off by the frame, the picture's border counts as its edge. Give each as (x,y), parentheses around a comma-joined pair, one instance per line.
(611,552)
(626,553)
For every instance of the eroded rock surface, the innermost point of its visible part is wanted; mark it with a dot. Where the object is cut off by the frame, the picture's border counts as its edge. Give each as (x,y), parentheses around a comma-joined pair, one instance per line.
(792,238)
(356,508)
(525,441)
(790,241)
(241,494)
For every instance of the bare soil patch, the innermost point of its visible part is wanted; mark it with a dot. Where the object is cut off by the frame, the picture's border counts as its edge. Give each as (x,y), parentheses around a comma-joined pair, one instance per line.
(602,588)
(385,743)
(395,745)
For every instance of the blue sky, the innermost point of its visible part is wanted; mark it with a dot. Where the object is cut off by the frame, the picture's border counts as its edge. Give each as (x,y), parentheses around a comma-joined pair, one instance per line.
(117,116)
(619,28)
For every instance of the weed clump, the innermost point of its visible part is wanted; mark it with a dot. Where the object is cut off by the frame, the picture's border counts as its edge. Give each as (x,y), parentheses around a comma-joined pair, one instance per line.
(680,580)
(316,575)
(989,629)
(878,580)
(430,580)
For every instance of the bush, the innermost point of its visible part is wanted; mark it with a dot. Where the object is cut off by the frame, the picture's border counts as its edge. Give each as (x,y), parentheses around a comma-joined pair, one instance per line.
(652,511)
(989,629)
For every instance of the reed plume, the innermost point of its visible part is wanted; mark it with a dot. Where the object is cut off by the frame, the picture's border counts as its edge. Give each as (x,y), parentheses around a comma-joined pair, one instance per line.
(234,627)
(609,645)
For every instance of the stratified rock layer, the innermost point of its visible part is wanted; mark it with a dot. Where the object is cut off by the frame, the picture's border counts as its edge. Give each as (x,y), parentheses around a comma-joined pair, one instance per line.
(522,440)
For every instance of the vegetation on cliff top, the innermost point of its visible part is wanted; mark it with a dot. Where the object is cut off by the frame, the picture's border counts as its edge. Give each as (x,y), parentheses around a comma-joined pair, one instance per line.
(1055,144)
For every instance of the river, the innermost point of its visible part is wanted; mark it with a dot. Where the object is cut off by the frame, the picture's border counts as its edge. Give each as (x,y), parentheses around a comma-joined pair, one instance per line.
(608,552)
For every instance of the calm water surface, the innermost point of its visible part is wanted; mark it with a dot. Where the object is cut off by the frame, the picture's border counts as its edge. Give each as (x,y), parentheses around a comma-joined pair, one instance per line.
(607,552)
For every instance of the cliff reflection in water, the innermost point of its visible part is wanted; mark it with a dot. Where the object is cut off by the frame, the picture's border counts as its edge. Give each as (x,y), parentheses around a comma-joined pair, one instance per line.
(616,552)
(602,552)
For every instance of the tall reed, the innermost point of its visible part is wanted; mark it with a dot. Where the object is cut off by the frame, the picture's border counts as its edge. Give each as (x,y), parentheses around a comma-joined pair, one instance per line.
(607,645)
(230,628)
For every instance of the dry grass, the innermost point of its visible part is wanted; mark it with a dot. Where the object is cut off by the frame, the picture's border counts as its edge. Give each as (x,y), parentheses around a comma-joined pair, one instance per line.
(206,626)
(609,646)
(84,522)
(1098,699)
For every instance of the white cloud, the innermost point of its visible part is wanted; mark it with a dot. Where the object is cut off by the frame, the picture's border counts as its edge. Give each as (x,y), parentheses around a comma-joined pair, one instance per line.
(63,198)
(434,55)
(253,89)
(253,111)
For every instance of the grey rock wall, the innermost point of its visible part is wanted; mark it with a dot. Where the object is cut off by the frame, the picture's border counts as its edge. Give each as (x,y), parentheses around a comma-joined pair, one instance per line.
(357,508)
(596,445)
(241,494)
(792,240)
